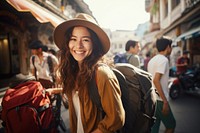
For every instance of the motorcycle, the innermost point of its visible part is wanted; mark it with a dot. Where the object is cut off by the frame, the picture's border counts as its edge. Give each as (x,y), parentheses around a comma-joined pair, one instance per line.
(188,82)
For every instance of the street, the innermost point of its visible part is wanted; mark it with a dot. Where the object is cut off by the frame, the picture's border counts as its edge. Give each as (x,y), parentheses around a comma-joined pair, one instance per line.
(186,110)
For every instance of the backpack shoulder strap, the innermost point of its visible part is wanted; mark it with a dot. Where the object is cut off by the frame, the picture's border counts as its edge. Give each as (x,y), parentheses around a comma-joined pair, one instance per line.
(50,63)
(35,70)
(51,67)
(93,92)
(129,57)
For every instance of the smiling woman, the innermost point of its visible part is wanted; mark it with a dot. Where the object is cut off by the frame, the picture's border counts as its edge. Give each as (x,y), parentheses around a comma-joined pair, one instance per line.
(117,14)
(82,45)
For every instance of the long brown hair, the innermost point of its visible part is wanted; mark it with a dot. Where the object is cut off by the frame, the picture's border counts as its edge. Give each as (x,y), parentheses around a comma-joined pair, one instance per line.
(70,74)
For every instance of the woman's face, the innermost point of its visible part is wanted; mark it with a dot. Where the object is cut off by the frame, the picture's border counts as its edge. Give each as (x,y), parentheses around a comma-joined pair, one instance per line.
(80,44)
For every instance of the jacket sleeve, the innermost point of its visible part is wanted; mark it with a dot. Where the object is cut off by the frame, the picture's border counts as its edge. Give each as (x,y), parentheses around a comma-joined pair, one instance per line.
(110,94)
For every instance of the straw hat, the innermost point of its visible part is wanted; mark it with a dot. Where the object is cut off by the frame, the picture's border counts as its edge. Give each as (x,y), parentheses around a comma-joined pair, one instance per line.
(81,20)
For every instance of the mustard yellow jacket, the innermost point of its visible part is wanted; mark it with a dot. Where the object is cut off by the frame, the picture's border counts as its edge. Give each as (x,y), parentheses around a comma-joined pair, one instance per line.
(109,91)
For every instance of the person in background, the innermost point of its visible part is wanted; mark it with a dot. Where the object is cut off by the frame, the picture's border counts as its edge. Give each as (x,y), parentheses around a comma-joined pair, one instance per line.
(183,63)
(82,44)
(132,49)
(158,66)
(42,64)
(146,60)
(175,54)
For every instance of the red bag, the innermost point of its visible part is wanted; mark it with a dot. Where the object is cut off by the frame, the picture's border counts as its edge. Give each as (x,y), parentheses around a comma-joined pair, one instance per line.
(27,109)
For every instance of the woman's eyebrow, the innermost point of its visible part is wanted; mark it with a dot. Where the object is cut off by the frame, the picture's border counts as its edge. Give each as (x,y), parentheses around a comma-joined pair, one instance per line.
(87,37)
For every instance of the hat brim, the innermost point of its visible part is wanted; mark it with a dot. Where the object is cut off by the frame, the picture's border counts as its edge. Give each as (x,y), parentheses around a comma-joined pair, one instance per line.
(60,31)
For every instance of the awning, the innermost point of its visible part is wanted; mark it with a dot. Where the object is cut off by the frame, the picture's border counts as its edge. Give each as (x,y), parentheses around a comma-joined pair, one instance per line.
(189,34)
(41,14)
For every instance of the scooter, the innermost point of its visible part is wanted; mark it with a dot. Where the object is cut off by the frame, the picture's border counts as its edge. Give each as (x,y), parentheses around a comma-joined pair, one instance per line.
(188,82)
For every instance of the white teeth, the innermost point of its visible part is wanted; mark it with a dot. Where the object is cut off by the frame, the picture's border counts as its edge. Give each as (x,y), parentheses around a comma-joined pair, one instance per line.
(79,52)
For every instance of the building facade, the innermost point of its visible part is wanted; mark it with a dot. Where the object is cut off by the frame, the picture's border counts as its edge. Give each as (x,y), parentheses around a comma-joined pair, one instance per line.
(119,38)
(179,19)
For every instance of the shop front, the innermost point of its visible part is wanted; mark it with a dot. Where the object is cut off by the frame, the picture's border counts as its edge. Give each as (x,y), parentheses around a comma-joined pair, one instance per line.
(191,41)
(21,22)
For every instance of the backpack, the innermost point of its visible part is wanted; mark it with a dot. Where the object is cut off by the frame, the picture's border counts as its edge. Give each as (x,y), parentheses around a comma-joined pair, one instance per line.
(138,98)
(27,108)
(121,58)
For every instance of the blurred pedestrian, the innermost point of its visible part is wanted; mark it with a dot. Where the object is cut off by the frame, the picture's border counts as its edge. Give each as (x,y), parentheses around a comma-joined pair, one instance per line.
(146,60)
(175,54)
(158,66)
(82,44)
(132,50)
(42,64)
(183,62)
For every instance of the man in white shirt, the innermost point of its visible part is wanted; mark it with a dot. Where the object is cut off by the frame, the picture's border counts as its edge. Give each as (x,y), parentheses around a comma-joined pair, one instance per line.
(158,66)
(42,64)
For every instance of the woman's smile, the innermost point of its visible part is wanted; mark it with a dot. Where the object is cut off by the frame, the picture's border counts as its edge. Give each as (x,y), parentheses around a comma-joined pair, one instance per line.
(79,51)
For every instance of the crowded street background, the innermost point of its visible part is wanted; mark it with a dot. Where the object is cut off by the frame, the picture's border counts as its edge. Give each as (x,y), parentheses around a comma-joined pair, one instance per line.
(24,21)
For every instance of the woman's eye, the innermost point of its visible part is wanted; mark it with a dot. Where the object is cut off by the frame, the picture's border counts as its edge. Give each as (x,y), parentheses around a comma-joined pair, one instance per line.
(72,39)
(86,40)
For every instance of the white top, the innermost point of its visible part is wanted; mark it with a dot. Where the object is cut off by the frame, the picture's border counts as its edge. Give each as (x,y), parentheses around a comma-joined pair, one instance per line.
(76,104)
(43,71)
(160,64)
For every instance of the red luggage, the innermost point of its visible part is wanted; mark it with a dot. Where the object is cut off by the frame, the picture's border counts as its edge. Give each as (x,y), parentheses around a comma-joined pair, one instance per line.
(27,109)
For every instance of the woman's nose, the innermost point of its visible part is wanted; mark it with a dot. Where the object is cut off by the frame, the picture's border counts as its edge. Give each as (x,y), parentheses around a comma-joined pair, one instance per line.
(79,44)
